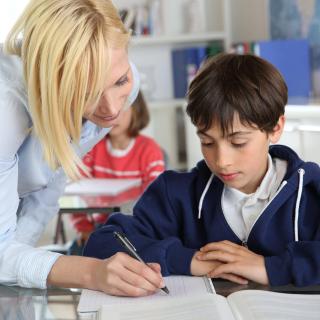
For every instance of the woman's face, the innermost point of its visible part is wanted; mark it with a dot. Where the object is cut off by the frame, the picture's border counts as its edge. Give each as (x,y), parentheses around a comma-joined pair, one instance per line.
(117,89)
(121,126)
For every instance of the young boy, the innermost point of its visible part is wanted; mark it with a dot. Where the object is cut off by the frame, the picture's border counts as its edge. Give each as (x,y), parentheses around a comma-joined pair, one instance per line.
(248,211)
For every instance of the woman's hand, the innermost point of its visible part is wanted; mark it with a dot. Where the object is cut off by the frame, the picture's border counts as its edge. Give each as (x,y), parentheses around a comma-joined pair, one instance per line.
(119,275)
(236,262)
(123,275)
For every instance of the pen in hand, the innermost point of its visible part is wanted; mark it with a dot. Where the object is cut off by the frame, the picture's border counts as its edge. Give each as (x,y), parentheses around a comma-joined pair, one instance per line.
(126,244)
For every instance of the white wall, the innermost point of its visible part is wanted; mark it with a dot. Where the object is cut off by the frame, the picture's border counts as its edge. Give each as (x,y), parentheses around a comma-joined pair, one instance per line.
(302,130)
(248,17)
(249,20)
(9,12)
(125,3)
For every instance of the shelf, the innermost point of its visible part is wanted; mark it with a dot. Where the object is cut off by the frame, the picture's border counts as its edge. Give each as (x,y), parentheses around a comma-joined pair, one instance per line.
(302,111)
(174,39)
(291,112)
(173,103)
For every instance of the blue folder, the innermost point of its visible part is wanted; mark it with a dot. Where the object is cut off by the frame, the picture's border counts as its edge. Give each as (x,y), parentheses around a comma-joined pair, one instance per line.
(292,58)
(182,59)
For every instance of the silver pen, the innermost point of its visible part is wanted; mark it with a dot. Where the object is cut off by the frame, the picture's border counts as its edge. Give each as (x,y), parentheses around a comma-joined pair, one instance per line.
(132,251)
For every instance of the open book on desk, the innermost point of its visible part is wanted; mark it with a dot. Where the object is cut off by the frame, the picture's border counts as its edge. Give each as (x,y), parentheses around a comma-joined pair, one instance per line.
(179,286)
(241,305)
(192,299)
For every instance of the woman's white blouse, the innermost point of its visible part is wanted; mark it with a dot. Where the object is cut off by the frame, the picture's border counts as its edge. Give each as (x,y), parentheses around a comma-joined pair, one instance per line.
(29,190)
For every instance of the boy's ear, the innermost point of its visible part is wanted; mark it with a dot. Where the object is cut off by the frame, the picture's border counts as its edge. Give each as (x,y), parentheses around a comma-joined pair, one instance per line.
(275,135)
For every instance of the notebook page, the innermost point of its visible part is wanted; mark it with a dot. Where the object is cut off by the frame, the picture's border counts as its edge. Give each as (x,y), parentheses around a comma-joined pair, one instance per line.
(265,305)
(201,307)
(179,286)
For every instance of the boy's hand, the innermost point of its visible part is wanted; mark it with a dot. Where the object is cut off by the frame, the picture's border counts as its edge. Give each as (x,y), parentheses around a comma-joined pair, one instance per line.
(205,267)
(235,260)
(202,267)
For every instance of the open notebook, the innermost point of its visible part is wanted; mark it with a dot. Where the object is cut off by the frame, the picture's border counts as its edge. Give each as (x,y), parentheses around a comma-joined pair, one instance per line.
(241,305)
(179,286)
(193,298)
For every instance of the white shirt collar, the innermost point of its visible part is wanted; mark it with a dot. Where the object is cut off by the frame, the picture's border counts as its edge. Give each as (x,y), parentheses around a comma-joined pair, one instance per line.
(119,153)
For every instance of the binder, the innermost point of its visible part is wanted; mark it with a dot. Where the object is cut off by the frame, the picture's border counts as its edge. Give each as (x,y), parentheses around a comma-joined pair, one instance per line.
(292,59)
(186,63)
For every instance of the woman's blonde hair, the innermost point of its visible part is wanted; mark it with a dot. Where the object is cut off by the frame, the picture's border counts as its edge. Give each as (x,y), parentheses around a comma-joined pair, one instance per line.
(65,51)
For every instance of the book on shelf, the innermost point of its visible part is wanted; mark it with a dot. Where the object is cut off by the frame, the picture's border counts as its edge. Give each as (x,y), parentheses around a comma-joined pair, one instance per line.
(143,19)
(292,59)
(186,63)
(214,48)
(194,298)
(244,48)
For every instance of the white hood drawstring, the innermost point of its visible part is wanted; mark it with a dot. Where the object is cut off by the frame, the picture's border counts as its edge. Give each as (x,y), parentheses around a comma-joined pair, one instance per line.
(296,215)
(203,195)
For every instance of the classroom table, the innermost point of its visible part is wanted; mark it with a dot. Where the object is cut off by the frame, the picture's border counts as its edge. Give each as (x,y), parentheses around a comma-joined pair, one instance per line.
(61,304)
(90,196)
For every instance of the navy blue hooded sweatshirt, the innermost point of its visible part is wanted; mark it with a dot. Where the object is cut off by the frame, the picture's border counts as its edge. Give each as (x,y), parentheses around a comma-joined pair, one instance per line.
(166,228)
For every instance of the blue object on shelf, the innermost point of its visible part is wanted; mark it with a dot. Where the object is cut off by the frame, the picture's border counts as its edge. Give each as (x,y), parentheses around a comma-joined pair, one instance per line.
(292,59)
(185,64)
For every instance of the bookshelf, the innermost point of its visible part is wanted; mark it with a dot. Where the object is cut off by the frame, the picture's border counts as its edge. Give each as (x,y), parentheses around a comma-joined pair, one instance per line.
(152,55)
(156,105)
(178,39)
(301,131)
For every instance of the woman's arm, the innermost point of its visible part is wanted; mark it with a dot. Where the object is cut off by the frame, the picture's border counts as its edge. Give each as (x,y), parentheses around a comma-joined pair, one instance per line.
(30,267)
(118,275)
(38,208)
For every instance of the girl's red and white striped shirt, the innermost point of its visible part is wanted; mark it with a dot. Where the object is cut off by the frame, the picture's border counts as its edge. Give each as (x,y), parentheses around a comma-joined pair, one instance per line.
(142,159)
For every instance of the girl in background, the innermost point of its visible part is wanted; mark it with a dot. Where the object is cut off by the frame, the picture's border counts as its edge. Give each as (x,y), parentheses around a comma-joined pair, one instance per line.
(123,154)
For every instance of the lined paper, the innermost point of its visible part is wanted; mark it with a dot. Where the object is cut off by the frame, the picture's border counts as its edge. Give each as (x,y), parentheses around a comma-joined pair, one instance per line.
(179,286)
(200,307)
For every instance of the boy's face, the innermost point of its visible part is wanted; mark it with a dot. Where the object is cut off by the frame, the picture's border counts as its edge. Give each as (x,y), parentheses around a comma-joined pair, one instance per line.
(240,158)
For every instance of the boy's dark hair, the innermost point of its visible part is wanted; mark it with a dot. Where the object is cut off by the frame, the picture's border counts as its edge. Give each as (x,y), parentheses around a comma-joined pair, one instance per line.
(140,116)
(229,84)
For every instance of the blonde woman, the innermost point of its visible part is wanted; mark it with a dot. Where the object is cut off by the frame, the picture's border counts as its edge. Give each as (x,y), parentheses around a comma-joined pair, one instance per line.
(64,80)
